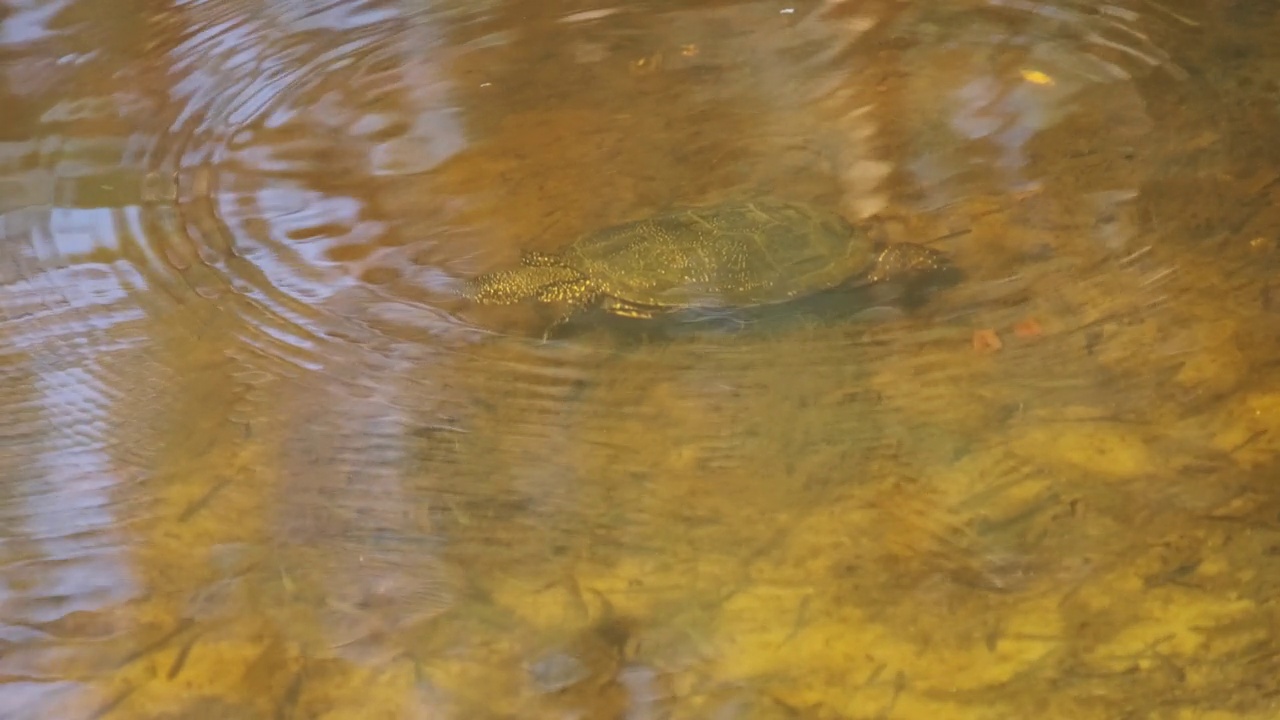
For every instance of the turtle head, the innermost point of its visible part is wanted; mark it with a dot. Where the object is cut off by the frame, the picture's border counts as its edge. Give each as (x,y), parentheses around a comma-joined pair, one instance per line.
(912,263)
(545,282)
(499,288)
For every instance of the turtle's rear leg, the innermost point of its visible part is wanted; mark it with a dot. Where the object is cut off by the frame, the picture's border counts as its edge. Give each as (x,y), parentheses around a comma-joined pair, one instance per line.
(622,308)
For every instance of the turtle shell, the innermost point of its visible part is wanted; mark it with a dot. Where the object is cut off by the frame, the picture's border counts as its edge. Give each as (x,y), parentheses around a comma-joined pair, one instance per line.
(731,255)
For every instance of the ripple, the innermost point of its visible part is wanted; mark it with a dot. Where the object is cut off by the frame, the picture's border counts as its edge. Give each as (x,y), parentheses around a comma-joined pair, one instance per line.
(322,264)
(311,178)
(322,171)
(392,106)
(77,479)
(323,187)
(238,391)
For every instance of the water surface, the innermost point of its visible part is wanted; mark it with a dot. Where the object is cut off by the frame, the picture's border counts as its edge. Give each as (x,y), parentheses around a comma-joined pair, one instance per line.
(262,461)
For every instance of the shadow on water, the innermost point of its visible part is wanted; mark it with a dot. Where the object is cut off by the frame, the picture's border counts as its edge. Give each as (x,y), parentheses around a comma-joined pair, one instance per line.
(260,460)
(846,305)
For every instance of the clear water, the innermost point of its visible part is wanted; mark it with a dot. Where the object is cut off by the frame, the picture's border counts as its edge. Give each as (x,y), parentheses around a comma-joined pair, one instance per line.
(260,460)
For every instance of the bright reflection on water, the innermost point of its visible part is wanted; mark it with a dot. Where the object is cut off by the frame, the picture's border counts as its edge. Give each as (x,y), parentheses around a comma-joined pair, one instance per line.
(262,460)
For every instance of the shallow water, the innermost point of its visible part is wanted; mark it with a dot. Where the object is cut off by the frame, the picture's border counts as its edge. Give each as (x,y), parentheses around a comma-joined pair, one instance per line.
(262,461)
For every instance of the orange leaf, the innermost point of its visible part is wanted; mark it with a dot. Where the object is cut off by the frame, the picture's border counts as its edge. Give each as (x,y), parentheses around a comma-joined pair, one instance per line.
(1028,328)
(986,341)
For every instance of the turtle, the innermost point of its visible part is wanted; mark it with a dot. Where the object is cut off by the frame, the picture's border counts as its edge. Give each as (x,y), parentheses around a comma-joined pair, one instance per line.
(719,257)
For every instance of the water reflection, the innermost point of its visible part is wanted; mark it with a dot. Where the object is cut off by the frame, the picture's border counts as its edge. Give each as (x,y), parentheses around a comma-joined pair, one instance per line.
(264,462)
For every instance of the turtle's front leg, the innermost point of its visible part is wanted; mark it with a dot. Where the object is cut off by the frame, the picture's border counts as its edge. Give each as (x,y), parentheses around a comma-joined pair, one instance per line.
(574,291)
(560,320)
(576,295)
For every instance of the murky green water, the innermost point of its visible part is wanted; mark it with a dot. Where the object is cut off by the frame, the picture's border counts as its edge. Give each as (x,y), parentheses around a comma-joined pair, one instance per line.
(260,460)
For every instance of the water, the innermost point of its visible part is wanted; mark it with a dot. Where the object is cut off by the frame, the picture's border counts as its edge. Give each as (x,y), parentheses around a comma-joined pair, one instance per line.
(262,461)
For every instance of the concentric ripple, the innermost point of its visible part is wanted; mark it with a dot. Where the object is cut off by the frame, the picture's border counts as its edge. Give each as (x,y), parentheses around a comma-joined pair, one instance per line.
(332,167)
(263,189)
(241,392)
